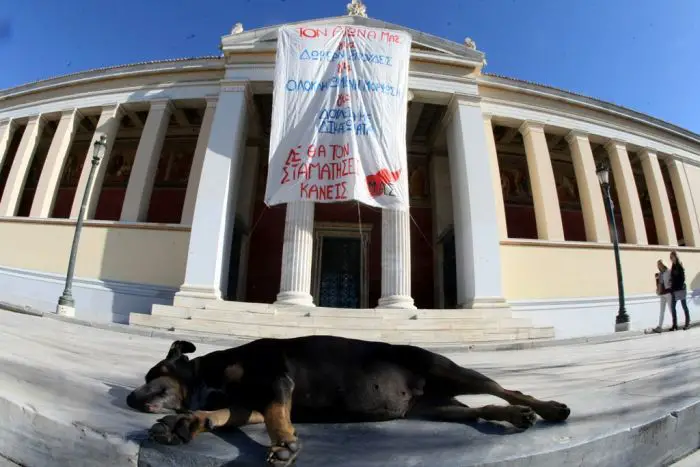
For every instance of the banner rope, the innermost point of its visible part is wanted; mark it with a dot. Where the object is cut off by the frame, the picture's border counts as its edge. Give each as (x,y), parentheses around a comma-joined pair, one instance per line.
(425,238)
(265,208)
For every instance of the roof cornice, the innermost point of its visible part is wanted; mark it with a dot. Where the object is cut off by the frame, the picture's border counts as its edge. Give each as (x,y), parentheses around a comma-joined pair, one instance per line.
(551,92)
(116,71)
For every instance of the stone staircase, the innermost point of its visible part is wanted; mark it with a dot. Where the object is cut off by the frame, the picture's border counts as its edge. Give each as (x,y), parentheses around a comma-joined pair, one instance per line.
(421,327)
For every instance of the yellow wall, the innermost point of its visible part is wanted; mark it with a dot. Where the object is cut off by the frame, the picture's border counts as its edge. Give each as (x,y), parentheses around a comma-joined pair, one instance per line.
(540,270)
(143,254)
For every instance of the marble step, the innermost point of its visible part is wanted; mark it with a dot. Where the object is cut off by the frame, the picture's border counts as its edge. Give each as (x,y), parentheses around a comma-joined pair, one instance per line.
(359,323)
(247,330)
(218,309)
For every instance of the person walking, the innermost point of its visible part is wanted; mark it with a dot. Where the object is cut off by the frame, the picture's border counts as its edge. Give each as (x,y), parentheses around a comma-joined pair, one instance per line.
(663,290)
(678,290)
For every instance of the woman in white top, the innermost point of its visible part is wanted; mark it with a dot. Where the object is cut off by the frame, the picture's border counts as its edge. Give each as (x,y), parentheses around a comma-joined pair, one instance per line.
(663,290)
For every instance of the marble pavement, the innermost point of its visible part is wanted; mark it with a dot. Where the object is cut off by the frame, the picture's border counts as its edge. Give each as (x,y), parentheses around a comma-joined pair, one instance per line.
(634,403)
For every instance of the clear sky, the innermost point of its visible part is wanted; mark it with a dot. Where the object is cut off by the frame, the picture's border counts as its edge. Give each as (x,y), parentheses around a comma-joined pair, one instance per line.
(642,54)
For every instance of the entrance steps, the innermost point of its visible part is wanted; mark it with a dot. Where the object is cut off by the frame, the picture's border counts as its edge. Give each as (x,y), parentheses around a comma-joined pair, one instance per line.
(421,327)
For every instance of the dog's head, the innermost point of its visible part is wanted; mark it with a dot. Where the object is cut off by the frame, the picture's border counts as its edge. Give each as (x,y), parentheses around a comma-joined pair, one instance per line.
(169,384)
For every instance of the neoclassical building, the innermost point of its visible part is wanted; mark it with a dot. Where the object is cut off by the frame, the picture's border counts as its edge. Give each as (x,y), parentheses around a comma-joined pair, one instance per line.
(507,235)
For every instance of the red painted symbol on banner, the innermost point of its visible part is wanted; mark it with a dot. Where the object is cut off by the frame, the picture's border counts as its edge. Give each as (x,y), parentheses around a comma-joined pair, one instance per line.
(381,182)
(342,100)
(344,66)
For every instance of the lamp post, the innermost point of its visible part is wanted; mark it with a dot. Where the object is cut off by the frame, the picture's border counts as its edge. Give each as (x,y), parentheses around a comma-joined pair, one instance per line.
(66,303)
(622,321)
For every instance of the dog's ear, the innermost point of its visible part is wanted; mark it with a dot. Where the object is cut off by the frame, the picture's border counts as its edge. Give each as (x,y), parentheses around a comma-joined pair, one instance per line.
(179,348)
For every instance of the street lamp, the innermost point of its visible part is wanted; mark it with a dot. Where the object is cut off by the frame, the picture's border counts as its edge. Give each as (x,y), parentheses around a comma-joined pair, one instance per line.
(622,321)
(66,303)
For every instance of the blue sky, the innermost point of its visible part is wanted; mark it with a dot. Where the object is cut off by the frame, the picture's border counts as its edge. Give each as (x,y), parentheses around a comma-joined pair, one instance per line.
(642,54)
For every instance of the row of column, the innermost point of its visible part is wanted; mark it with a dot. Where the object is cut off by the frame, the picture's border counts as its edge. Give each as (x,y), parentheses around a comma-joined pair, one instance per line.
(141,179)
(546,201)
(475,220)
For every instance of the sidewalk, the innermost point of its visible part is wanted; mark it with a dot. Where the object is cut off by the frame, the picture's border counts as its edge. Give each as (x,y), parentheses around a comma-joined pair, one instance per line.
(634,403)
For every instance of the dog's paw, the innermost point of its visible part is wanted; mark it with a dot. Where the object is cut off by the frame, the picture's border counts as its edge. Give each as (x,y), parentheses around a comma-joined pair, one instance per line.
(520,416)
(283,454)
(176,429)
(554,411)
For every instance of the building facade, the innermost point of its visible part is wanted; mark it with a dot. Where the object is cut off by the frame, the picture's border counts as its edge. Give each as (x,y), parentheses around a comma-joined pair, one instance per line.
(507,216)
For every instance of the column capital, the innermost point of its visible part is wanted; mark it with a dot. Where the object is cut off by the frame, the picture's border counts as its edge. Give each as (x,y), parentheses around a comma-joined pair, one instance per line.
(646,153)
(463,99)
(239,86)
(614,144)
(39,119)
(212,100)
(162,104)
(529,125)
(487,117)
(117,109)
(456,101)
(573,134)
(672,159)
(67,113)
(11,123)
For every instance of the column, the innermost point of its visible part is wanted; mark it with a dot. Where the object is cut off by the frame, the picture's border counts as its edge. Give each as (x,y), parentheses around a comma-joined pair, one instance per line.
(477,237)
(691,178)
(627,194)
(198,161)
(53,167)
(138,191)
(660,205)
(7,130)
(396,260)
(684,200)
(20,167)
(544,188)
(217,194)
(594,218)
(297,255)
(107,125)
(496,177)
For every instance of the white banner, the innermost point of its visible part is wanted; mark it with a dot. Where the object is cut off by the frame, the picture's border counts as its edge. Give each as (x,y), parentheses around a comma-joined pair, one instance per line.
(339,116)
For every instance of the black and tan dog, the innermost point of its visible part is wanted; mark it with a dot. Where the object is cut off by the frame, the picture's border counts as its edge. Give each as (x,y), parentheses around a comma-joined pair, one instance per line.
(317,379)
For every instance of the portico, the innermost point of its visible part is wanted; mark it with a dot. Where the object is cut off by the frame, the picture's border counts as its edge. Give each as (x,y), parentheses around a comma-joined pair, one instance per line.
(505,217)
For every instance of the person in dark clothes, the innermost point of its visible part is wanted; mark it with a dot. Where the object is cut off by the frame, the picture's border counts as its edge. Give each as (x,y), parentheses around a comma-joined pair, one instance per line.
(678,289)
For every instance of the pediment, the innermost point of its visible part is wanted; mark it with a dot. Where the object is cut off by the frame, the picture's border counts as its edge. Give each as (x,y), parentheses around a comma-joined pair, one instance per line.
(266,39)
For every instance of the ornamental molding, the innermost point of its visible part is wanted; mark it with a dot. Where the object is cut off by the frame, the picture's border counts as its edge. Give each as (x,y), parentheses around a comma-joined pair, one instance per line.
(575,134)
(591,125)
(586,102)
(104,98)
(118,72)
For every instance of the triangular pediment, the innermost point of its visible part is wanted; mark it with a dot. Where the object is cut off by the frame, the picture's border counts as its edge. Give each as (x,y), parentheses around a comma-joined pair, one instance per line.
(266,38)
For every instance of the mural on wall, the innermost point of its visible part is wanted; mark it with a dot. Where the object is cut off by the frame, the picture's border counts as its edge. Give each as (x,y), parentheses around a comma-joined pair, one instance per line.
(175,163)
(74,164)
(120,162)
(515,182)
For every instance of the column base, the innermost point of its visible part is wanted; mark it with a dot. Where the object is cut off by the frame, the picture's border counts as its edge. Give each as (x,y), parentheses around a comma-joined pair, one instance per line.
(294,298)
(195,296)
(622,327)
(65,310)
(396,301)
(482,303)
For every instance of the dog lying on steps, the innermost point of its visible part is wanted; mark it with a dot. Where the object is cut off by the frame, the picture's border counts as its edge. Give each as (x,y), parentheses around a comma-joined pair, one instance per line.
(317,379)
